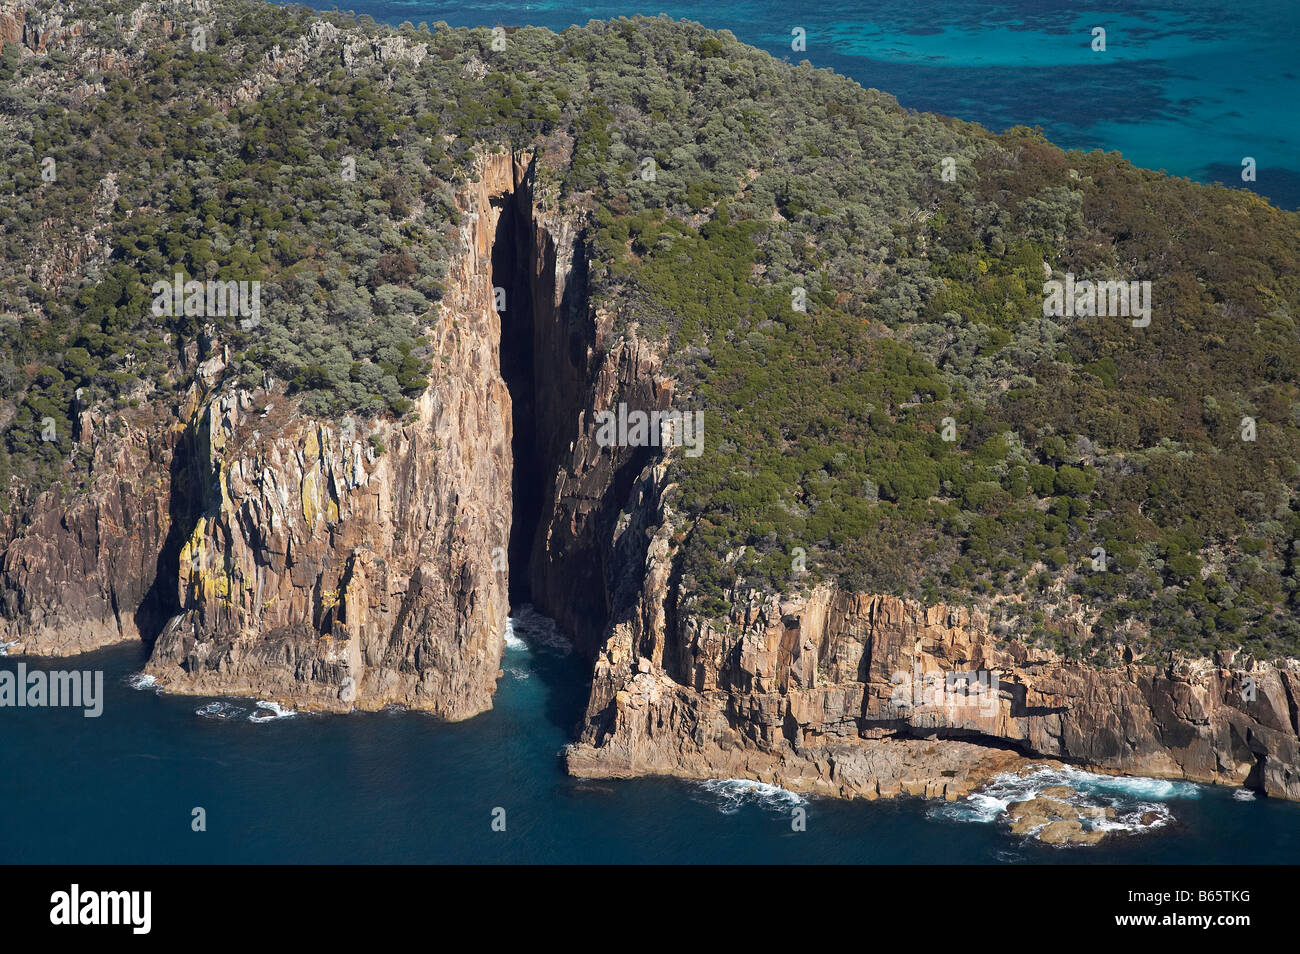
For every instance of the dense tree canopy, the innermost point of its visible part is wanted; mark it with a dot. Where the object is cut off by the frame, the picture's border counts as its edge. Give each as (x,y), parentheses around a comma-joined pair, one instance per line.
(866,336)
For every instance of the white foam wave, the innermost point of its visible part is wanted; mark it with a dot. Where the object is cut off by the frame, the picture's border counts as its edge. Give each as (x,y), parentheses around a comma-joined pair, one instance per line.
(733,793)
(228,711)
(977,807)
(1159,789)
(4,647)
(1136,804)
(1244,795)
(141,680)
(1151,789)
(270,711)
(220,710)
(1141,817)
(513,642)
(526,628)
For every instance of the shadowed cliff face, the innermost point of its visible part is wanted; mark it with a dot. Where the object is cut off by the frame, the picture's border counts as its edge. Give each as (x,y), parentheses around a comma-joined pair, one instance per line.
(513,256)
(562,363)
(582,366)
(79,574)
(83,571)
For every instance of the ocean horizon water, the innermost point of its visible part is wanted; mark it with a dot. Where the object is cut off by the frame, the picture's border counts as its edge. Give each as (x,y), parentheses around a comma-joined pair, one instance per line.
(1192,87)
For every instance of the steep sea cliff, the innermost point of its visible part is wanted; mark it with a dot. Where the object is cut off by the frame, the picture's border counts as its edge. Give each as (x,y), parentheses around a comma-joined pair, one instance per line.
(310,570)
(258,550)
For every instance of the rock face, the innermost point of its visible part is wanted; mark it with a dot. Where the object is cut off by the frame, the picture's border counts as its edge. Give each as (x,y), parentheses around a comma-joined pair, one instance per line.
(332,572)
(86,571)
(578,567)
(31,29)
(13,19)
(807,694)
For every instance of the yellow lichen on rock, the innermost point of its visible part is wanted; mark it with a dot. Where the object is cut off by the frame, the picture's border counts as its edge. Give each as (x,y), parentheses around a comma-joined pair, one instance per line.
(193,547)
(311,507)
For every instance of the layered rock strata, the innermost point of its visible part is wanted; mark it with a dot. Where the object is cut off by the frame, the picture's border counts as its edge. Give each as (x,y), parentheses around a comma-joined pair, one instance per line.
(829,694)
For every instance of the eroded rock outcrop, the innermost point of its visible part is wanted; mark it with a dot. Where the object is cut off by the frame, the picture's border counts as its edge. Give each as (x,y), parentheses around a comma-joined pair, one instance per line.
(79,572)
(821,694)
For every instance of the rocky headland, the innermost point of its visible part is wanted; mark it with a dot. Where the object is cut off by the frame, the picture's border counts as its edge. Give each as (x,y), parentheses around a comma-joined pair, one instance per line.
(340,564)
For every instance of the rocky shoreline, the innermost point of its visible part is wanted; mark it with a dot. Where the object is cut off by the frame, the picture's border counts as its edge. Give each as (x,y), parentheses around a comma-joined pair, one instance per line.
(803,693)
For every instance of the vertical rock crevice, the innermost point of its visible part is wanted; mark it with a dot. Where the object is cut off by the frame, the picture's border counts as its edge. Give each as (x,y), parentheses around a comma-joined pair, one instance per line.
(513,251)
(563,361)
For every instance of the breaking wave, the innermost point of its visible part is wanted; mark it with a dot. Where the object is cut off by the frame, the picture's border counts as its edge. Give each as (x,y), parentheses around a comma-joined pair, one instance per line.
(270,711)
(513,642)
(1137,804)
(526,628)
(734,793)
(229,712)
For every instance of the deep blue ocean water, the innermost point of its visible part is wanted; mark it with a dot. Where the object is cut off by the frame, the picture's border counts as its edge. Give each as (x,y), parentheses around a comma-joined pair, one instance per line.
(1188,86)
(398,786)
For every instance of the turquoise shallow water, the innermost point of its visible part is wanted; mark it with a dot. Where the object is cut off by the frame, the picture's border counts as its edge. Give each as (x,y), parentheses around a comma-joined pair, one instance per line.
(398,786)
(1188,86)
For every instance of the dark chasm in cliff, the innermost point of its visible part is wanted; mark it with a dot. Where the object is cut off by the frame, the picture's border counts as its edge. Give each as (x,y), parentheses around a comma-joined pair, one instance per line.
(566,499)
(512,255)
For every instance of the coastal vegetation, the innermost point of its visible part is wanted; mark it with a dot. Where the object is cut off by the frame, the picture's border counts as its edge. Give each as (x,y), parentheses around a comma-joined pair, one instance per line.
(886,404)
